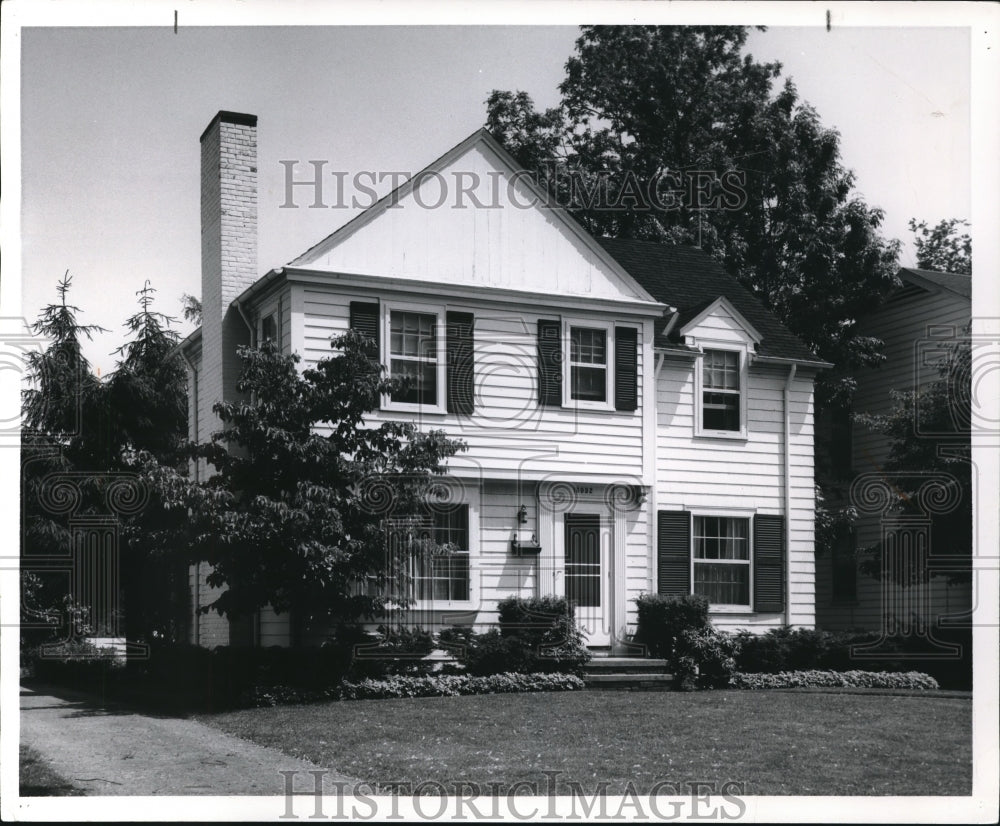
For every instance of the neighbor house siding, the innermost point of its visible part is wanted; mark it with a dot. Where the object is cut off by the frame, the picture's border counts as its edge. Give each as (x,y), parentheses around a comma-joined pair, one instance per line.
(904,325)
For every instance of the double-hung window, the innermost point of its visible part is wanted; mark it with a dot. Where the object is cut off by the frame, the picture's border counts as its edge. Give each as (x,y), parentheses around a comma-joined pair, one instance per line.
(721,392)
(441,573)
(721,559)
(588,364)
(434,549)
(414,355)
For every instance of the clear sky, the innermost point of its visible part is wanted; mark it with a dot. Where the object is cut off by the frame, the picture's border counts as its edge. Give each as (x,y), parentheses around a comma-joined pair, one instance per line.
(111,119)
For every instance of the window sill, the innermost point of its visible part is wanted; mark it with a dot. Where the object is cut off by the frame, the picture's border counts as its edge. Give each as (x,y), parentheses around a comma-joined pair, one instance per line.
(401,407)
(730,609)
(732,436)
(444,605)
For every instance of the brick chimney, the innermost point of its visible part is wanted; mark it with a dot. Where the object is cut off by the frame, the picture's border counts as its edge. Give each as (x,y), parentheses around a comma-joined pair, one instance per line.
(228,253)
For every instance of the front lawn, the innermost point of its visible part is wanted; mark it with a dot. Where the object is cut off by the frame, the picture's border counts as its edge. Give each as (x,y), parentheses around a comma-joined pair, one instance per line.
(38,780)
(773,742)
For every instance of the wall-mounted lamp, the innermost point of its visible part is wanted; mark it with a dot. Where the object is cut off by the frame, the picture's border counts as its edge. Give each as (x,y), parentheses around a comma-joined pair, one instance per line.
(519,548)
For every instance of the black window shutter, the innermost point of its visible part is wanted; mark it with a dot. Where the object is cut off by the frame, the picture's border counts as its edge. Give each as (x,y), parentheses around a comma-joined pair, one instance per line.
(460,365)
(364,319)
(768,563)
(549,363)
(673,552)
(626,368)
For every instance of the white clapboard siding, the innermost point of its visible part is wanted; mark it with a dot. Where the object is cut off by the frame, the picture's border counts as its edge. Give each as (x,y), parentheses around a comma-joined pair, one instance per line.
(508,434)
(909,327)
(748,475)
(516,244)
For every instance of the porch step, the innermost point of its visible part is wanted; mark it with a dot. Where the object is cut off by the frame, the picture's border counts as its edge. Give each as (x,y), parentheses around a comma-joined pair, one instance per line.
(629,682)
(627,674)
(625,665)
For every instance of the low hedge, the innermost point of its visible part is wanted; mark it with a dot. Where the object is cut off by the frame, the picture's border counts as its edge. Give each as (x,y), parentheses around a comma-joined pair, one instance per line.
(788,649)
(398,687)
(839,679)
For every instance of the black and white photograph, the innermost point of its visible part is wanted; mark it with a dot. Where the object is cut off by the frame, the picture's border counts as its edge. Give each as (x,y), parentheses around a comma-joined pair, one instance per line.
(543,412)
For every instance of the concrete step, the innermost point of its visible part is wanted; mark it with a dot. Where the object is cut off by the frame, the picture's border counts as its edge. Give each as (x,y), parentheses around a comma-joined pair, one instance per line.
(625,665)
(629,682)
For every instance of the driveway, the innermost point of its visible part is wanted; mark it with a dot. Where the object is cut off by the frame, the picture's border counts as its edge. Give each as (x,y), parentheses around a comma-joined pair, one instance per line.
(105,749)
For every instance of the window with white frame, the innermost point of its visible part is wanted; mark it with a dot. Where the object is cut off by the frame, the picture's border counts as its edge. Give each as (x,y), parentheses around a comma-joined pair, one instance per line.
(588,364)
(588,359)
(721,559)
(721,393)
(434,550)
(413,355)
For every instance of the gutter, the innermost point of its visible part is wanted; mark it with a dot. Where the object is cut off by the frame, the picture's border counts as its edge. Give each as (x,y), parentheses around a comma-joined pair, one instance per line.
(787,471)
(819,364)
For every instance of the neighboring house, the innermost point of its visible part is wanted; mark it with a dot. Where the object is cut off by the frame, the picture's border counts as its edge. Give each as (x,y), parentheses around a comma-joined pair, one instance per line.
(928,310)
(635,420)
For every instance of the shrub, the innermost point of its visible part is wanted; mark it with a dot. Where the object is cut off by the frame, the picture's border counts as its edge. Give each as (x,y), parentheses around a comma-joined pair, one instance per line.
(846,679)
(458,684)
(662,619)
(397,687)
(536,634)
(787,649)
(704,659)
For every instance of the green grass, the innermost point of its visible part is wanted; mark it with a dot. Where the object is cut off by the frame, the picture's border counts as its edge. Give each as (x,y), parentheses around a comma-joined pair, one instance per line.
(38,780)
(775,743)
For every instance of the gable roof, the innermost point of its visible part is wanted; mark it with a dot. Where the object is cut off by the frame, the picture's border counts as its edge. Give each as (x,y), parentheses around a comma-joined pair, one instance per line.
(691,280)
(955,282)
(483,139)
(725,305)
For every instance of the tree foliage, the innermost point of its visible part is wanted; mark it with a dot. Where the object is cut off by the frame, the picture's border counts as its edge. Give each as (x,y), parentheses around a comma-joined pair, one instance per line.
(294,513)
(82,429)
(943,247)
(674,134)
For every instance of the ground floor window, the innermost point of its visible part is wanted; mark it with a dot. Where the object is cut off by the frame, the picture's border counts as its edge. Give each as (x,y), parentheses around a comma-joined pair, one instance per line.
(433,550)
(722,559)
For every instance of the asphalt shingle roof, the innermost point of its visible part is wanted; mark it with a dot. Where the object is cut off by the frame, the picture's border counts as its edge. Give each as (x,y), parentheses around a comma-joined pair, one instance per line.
(690,279)
(956,282)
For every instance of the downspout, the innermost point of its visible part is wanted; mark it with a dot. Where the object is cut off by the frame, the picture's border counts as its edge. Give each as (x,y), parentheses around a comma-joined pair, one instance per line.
(672,322)
(654,488)
(243,315)
(786,397)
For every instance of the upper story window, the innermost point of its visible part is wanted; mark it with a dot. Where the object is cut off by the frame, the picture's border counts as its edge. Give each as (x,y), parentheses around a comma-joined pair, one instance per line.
(721,394)
(588,364)
(413,356)
(431,347)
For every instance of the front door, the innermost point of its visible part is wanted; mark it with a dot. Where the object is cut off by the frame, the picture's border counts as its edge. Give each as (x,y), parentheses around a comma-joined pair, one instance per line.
(584,575)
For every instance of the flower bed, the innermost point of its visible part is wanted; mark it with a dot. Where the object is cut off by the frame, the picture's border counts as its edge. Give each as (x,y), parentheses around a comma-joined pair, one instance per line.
(452,685)
(841,679)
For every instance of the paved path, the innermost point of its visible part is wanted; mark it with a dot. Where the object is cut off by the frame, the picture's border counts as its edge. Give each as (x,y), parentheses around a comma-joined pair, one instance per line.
(110,750)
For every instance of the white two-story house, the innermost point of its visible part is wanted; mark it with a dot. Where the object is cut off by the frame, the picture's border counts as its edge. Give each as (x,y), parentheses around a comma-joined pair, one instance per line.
(636,421)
